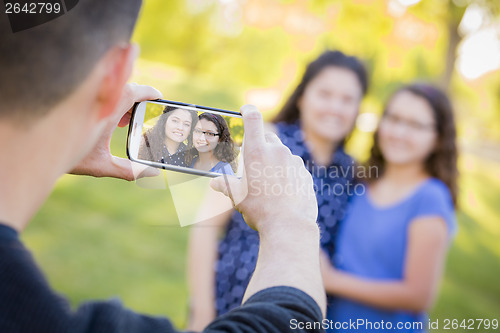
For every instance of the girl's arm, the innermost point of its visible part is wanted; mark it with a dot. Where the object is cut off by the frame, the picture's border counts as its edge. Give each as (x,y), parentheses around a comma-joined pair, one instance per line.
(426,252)
(201,259)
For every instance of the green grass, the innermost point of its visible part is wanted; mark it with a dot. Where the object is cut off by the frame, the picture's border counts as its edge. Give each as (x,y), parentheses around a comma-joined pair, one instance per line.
(104,238)
(471,287)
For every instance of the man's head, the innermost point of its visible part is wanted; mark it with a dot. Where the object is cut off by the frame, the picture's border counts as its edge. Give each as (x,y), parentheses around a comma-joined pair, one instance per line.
(60,83)
(43,65)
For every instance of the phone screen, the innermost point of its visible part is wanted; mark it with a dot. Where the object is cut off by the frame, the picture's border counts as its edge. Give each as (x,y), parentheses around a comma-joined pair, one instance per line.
(186,138)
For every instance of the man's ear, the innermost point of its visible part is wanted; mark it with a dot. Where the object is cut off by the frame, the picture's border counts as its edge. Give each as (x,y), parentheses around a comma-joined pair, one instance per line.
(117,64)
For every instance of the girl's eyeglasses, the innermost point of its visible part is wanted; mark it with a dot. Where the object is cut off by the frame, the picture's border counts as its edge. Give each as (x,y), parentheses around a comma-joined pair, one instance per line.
(412,125)
(207,134)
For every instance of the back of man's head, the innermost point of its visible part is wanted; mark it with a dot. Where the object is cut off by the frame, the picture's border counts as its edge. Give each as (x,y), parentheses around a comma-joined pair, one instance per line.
(41,66)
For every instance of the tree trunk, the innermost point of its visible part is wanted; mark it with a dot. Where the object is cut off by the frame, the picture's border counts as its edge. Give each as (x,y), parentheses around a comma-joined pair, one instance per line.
(451,54)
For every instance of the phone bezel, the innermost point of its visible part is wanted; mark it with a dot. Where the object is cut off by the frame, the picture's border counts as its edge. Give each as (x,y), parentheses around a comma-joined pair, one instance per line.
(174,167)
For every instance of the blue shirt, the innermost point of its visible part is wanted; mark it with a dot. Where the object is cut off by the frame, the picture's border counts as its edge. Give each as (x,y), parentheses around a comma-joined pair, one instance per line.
(238,250)
(372,243)
(221,167)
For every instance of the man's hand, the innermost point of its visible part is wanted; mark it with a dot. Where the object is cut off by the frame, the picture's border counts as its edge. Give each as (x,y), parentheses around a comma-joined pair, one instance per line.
(100,162)
(276,197)
(276,188)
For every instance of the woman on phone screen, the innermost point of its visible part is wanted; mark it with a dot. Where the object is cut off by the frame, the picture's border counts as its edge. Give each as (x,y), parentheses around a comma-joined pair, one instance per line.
(214,149)
(165,142)
(313,123)
(391,247)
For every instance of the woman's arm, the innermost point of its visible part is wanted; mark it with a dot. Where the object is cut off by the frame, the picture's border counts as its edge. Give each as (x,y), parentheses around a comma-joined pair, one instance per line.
(202,256)
(426,252)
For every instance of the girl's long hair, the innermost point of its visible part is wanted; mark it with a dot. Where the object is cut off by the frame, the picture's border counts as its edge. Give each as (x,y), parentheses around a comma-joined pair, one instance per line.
(153,140)
(442,162)
(225,150)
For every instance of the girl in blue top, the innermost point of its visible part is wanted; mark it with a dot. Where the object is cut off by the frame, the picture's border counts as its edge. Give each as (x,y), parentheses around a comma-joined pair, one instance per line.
(214,149)
(393,242)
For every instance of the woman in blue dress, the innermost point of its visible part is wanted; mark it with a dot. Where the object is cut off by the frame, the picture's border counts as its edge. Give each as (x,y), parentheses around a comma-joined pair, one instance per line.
(313,123)
(214,149)
(392,245)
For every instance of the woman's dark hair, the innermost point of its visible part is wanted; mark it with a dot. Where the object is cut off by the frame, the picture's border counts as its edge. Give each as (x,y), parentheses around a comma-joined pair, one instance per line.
(225,150)
(154,139)
(442,162)
(290,111)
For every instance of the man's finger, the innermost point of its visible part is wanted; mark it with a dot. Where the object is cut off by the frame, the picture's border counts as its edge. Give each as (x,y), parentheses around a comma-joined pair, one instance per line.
(143,93)
(227,185)
(253,125)
(125,120)
(149,172)
(271,137)
(139,170)
(135,93)
(218,184)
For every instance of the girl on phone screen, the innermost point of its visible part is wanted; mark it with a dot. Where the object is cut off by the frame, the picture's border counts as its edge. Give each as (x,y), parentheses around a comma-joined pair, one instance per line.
(391,247)
(214,149)
(313,123)
(169,139)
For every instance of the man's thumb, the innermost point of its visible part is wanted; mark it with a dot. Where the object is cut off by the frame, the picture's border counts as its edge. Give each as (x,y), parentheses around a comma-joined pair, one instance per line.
(225,184)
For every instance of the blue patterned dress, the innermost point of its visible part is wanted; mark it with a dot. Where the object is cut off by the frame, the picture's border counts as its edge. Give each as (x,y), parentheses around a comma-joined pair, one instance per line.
(238,250)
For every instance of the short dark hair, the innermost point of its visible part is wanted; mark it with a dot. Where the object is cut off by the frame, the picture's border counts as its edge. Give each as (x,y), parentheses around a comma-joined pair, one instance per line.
(290,111)
(41,66)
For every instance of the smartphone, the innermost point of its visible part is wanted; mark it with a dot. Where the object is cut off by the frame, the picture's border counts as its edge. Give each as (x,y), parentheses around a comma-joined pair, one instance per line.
(186,138)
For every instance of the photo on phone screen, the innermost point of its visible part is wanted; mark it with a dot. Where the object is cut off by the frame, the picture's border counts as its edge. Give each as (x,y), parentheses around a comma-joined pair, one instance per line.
(187,138)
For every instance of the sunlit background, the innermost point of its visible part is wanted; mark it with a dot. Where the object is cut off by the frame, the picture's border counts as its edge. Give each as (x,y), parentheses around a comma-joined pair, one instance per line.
(108,238)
